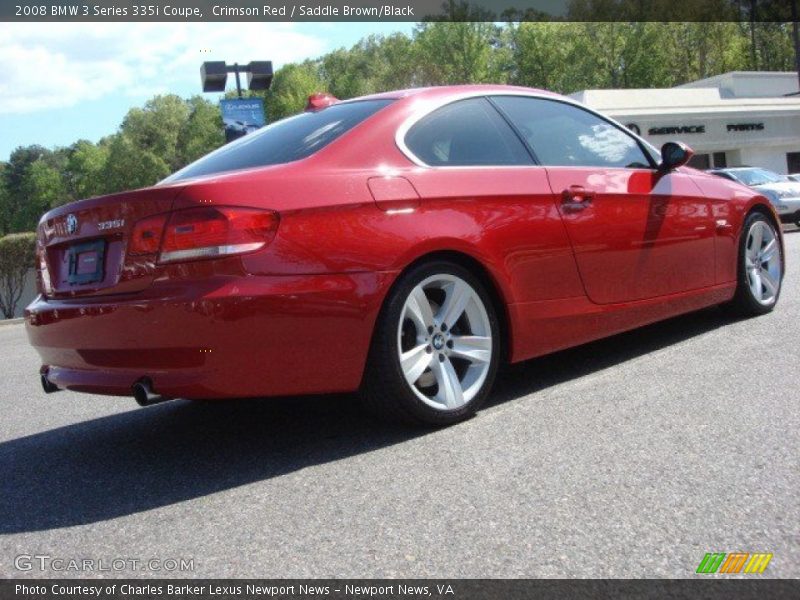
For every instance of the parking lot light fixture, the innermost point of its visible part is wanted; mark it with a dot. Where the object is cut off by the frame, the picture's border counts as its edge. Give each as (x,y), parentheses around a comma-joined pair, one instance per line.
(214,75)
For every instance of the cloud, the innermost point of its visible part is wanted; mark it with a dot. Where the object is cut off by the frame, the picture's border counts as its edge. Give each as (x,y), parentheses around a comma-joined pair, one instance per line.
(56,65)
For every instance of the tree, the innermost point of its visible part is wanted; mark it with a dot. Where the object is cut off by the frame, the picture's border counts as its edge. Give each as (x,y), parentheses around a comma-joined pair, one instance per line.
(13,176)
(202,131)
(155,128)
(5,203)
(43,188)
(452,53)
(84,174)
(394,67)
(17,258)
(538,52)
(376,64)
(291,87)
(131,166)
(347,73)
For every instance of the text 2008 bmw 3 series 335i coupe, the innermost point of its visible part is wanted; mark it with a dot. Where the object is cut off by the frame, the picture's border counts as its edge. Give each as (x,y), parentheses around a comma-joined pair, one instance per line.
(402,245)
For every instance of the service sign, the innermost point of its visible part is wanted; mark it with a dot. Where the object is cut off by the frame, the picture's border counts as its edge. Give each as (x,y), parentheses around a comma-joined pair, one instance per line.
(241,116)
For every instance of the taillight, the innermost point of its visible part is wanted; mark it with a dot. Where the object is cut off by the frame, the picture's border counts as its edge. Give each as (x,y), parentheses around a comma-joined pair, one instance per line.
(146,236)
(43,284)
(204,232)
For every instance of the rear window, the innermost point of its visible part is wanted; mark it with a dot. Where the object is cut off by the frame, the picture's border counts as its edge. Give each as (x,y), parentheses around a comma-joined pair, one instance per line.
(284,141)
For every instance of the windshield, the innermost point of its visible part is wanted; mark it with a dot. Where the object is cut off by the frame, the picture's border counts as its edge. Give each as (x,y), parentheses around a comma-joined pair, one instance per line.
(283,141)
(757,176)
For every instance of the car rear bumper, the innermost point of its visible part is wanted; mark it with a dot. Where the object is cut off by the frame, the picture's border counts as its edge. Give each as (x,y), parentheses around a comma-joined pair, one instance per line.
(217,338)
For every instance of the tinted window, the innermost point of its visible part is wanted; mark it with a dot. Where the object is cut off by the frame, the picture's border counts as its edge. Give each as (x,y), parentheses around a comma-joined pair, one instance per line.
(565,135)
(284,141)
(466,133)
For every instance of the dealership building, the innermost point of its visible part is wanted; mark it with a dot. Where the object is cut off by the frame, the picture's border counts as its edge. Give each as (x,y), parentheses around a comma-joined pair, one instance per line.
(739,118)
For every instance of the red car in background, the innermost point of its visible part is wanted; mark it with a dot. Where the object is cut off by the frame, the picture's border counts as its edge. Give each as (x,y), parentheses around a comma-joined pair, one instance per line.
(402,244)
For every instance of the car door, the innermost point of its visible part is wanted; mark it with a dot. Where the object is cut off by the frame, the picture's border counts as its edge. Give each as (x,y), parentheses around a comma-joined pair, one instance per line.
(479,183)
(636,232)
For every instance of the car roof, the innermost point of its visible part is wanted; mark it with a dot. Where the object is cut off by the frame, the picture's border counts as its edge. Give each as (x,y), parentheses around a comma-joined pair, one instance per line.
(453,90)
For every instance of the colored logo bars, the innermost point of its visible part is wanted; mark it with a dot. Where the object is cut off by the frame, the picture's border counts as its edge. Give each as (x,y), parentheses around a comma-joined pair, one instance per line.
(735,562)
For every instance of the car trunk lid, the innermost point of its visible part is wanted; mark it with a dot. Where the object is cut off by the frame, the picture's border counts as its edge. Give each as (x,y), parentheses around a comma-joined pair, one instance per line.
(82,246)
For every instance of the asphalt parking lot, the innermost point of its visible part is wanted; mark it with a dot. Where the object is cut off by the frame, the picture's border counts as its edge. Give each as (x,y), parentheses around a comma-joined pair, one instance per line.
(629,457)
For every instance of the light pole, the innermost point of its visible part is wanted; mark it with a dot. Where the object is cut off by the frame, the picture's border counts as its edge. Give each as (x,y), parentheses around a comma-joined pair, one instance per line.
(214,75)
(239,116)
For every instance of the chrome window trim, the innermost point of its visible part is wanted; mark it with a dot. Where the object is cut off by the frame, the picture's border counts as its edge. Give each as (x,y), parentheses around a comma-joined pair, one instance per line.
(427,106)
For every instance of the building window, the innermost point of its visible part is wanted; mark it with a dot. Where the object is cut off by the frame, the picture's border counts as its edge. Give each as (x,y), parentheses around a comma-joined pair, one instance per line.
(720,160)
(700,161)
(793,162)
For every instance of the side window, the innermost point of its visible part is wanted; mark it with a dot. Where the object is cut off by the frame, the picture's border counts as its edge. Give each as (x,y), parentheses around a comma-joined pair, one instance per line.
(466,133)
(564,135)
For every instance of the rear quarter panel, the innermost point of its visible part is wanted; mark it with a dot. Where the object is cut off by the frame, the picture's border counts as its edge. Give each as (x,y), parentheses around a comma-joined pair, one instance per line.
(330,223)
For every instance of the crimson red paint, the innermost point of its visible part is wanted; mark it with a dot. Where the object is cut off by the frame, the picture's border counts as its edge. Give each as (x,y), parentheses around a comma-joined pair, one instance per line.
(573,254)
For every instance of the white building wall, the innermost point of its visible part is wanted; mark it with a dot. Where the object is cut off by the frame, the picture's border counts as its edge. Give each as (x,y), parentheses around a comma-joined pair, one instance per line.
(766,147)
(773,159)
(746,115)
(750,84)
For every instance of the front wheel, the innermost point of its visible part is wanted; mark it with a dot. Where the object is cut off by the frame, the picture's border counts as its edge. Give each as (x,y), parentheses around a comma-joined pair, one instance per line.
(760,267)
(436,347)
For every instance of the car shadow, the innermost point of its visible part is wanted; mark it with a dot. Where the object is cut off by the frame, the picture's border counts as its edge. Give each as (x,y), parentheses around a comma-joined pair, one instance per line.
(147,458)
(538,374)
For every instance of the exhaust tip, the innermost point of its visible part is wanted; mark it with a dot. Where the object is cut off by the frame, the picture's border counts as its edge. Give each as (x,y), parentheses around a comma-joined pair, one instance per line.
(48,386)
(143,393)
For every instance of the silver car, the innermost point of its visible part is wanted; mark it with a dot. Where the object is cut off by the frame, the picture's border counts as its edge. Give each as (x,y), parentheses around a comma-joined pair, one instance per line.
(782,192)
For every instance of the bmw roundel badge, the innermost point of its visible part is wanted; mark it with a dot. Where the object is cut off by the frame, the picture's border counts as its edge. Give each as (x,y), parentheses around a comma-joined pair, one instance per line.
(72,224)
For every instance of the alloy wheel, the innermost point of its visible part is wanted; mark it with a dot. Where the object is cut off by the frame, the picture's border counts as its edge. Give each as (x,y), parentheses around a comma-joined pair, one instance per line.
(763,263)
(444,342)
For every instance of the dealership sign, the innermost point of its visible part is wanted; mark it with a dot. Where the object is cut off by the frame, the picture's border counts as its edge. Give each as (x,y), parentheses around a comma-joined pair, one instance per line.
(676,129)
(745,127)
(241,116)
(694,129)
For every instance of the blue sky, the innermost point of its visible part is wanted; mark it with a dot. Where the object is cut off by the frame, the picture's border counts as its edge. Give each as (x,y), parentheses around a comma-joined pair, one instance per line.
(60,82)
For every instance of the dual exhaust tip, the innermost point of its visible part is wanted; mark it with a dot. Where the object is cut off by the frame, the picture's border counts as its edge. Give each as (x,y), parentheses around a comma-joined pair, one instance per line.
(143,393)
(47,385)
(142,390)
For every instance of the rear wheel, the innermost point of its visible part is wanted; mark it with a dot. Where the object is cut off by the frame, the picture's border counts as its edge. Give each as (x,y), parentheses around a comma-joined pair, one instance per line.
(760,267)
(436,347)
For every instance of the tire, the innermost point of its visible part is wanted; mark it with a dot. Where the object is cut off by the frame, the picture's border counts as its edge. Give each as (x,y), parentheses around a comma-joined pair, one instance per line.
(441,319)
(758,283)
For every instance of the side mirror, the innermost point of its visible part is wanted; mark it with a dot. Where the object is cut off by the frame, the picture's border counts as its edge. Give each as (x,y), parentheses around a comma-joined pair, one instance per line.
(674,155)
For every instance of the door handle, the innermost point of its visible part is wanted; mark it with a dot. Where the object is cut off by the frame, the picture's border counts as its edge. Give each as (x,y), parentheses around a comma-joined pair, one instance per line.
(576,197)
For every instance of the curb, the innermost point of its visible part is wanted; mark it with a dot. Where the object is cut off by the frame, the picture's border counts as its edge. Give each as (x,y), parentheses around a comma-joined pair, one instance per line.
(12,321)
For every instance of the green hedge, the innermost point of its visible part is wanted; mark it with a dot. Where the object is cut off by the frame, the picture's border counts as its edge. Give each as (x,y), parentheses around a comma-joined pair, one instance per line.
(17,257)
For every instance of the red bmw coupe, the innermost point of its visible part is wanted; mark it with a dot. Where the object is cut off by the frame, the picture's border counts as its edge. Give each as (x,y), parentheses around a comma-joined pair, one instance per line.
(402,244)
